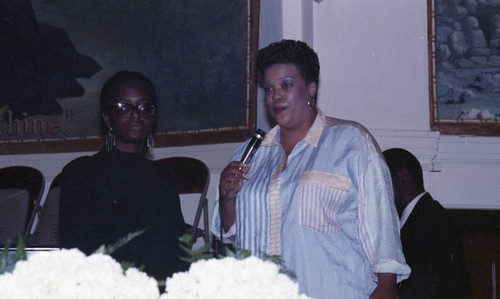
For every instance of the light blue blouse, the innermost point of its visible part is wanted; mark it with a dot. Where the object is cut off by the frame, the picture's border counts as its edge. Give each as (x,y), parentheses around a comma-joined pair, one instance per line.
(330,213)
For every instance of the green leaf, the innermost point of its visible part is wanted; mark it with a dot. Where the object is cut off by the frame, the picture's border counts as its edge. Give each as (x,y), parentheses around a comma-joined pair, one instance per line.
(193,256)
(238,253)
(4,257)
(18,255)
(126,265)
(122,241)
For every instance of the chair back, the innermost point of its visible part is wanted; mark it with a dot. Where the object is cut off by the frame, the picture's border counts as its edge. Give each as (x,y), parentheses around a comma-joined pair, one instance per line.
(21,188)
(193,176)
(46,232)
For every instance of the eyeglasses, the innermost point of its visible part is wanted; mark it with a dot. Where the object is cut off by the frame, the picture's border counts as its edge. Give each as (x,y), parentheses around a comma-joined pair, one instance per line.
(123,110)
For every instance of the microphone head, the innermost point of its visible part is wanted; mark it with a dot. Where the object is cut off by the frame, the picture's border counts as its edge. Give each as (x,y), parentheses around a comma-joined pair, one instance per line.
(253,145)
(260,134)
(256,140)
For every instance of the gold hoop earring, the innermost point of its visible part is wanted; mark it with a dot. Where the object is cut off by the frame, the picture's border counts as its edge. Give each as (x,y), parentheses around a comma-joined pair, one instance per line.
(310,104)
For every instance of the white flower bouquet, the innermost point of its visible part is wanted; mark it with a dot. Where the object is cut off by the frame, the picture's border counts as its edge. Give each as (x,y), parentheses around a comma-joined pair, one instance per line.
(71,274)
(228,277)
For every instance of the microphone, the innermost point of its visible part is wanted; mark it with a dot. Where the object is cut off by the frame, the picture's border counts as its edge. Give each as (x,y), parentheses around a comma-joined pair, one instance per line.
(252,146)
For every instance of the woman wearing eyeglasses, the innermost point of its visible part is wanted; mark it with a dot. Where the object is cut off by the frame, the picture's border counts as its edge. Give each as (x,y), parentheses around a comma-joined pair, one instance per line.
(119,190)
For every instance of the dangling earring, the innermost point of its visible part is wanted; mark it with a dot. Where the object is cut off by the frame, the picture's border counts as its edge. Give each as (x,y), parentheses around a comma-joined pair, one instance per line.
(310,104)
(151,141)
(110,140)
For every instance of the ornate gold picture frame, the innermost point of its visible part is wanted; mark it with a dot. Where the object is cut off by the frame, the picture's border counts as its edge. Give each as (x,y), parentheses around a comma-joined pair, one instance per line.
(464,67)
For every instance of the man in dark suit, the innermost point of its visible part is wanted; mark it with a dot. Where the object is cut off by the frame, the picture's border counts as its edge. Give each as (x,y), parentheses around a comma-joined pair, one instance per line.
(431,245)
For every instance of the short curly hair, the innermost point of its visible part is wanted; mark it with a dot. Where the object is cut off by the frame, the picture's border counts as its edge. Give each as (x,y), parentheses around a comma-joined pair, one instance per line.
(121,79)
(290,51)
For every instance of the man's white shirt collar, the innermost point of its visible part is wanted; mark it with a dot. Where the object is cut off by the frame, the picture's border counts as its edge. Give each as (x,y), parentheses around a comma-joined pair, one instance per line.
(407,211)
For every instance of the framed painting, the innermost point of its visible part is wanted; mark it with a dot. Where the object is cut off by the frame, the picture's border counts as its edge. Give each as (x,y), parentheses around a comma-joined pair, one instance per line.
(199,54)
(464,67)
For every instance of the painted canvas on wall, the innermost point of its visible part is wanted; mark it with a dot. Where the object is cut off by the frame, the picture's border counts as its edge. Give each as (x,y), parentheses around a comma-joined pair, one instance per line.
(199,55)
(464,66)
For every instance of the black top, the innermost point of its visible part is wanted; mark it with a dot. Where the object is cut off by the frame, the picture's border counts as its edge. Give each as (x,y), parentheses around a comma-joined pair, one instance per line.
(434,251)
(111,194)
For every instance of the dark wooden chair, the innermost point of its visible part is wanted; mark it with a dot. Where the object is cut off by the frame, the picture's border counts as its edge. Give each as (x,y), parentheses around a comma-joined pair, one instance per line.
(193,176)
(46,231)
(480,232)
(21,188)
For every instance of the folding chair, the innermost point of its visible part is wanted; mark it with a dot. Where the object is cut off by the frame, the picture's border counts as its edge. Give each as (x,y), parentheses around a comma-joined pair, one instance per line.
(46,232)
(193,176)
(21,188)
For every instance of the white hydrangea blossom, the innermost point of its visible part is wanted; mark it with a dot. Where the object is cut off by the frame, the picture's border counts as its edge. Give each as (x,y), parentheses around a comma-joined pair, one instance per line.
(70,273)
(231,278)
(63,274)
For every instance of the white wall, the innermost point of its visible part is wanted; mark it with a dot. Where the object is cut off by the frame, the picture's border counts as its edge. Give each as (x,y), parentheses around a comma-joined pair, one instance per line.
(374,62)
(373,57)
